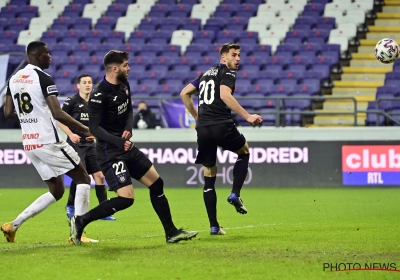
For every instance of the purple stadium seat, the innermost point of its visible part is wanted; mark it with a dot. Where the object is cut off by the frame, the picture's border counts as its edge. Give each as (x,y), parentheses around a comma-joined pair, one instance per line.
(263,86)
(388,90)
(64,74)
(8,15)
(28,9)
(74,7)
(282,89)
(180,10)
(254,2)
(82,2)
(144,88)
(19,2)
(9,35)
(116,10)
(374,119)
(300,104)
(327,20)
(18,24)
(311,13)
(215,24)
(302,34)
(302,27)
(193,24)
(231,7)
(306,20)
(107,23)
(82,23)
(293,40)
(13,9)
(319,34)
(168,89)
(287,81)
(313,84)
(232,2)
(315,7)
(323,2)
(160,8)
(126,2)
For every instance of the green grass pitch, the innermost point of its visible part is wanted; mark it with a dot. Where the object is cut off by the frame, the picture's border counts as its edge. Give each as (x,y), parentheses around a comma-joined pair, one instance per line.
(287,234)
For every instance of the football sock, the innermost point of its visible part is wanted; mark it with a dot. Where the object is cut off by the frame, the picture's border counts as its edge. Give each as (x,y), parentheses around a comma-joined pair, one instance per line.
(105,209)
(35,208)
(210,200)
(161,206)
(71,196)
(240,173)
(101,193)
(82,199)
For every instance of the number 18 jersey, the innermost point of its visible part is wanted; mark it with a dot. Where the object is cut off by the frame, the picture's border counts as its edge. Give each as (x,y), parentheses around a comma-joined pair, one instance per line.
(211,109)
(29,88)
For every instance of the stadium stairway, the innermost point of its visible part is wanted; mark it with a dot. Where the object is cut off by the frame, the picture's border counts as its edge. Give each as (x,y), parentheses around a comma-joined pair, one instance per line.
(364,74)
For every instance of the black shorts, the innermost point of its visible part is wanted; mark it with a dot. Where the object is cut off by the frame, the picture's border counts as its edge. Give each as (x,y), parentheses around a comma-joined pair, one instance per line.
(88,157)
(209,138)
(119,166)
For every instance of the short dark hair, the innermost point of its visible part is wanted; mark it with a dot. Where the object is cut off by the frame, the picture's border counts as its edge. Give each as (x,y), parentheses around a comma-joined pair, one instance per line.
(116,57)
(34,47)
(83,76)
(227,46)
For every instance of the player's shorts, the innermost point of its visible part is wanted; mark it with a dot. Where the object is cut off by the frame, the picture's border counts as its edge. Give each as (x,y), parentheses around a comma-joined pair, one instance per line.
(88,156)
(120,166)
(52,160)
(209,138)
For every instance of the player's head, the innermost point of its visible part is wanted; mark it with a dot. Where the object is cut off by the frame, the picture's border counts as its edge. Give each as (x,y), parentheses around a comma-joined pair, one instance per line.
(38,54)
(230,55)
(116,62)
(85,84)
(141,106)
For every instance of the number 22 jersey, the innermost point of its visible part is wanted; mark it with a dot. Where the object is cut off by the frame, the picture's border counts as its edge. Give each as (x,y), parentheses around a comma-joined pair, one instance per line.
(211,109)
(29,88)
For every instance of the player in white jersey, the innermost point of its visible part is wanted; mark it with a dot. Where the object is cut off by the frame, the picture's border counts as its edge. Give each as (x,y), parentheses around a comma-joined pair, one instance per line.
(32,98)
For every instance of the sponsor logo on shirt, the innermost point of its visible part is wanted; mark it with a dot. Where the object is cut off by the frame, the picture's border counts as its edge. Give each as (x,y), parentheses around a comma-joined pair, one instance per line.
(211,72)
(52,89)
(23,79)
(81,105)
(30,136)
(97,94)
(96,101)
(32,147)
(231,74)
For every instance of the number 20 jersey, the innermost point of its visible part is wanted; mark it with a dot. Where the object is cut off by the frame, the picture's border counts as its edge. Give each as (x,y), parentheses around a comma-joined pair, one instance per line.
(29,88)
(211,109)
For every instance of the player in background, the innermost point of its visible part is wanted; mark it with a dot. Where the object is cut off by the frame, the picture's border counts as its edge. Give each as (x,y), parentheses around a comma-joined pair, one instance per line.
(215,127)
(111,121)
(32,98)
(77,107)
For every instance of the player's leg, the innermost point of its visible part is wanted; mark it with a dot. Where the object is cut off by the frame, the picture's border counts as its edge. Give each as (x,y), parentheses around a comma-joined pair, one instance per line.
(235,141)
(118,179)
(70,207)
(207,156)
(45,160)
(93,167)
(141,169)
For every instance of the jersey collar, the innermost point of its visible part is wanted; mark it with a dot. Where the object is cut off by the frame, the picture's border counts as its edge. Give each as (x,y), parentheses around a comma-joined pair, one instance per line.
(31,66)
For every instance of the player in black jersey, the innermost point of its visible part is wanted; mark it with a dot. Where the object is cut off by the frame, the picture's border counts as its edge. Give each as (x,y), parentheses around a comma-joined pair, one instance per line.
(111,121)
(215,128)
(77,107)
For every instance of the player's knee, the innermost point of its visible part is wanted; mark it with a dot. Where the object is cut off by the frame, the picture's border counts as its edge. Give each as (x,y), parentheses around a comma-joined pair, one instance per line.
(99,177)
(243,158)
(57,193)
(123,203)
(157,188)
(210,171)
(244,150)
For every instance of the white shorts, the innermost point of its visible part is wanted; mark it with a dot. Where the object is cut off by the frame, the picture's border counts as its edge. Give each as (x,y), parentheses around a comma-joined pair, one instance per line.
(52,160)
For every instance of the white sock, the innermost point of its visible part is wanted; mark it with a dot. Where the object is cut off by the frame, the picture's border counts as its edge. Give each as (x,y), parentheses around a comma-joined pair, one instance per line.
(82,199)
(35,208)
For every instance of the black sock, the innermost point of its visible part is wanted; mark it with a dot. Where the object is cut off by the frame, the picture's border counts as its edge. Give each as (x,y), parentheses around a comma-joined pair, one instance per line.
(71,196)
(105,209)
(240,173)
(161,206)
(210,200)
(101,193)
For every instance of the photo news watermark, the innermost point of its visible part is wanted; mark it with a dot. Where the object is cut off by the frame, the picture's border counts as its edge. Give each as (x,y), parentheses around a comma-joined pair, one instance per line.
(356,266)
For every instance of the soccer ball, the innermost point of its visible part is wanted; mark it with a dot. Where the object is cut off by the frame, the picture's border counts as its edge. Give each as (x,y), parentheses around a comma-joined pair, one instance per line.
(387,50)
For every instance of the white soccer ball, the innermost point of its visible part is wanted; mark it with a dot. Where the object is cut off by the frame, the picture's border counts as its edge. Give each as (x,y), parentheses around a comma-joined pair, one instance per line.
(387,50)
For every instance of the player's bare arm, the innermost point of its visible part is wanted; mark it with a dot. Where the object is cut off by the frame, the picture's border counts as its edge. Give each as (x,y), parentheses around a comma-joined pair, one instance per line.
(63,117)
(75,138)
(186,96)
(9,109)
(231,102)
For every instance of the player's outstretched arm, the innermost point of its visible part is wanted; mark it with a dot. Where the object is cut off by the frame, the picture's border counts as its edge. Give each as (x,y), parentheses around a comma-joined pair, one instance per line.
(63,117)
(75,138)
(9,109)
(233,104)
(186,96)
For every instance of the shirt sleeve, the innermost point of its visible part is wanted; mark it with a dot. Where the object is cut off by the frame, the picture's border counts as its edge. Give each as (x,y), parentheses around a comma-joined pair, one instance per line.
(196,82)
(68,105)
(228,78)
(47,84)
(8,89)
(96,110)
